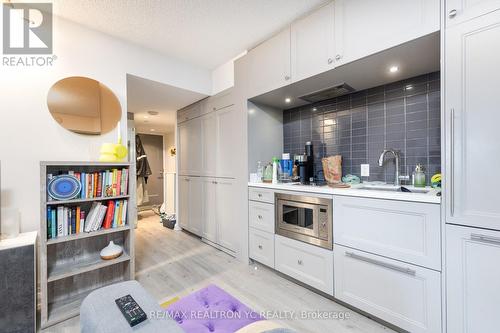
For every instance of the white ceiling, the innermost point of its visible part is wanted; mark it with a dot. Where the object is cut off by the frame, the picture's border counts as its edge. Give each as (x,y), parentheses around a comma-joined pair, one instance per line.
(145,95)
(205,33)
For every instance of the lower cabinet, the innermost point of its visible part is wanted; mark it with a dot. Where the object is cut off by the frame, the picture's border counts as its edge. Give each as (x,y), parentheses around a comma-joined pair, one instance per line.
(472,279)
(190,204)
(306,263)
(261,246)
(404,295)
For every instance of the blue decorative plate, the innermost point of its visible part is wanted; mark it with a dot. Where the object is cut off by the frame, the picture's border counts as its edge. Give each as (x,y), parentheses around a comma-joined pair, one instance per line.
(64,187)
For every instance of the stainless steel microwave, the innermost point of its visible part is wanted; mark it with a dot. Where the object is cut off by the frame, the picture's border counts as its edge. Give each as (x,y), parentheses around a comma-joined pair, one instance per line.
(305,218)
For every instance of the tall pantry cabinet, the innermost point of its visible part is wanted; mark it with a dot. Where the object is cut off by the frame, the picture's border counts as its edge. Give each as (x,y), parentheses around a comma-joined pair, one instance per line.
(207,143)
(471,201)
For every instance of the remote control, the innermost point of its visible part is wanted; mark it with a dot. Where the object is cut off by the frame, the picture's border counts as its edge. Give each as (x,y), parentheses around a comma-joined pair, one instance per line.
(131,310)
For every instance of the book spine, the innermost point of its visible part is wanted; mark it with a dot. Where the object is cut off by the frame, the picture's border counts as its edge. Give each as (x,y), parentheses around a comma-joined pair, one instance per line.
(70,225)
(103,184)
(118,181)
(96,177)
(115,215)
(82,221)
(114,182)
(77,216)
(124,212)
(73,221)
(65,221)
(82,183)
(60,221)
(99,185)
(53,222)
(49,224)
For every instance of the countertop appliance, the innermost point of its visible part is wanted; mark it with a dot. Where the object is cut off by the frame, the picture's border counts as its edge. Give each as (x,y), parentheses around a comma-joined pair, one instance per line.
(305,218)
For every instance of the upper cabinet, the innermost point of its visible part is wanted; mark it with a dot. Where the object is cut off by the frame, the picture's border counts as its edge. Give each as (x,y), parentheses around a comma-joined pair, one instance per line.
(189,147)
(312,43)
(365,27)
(268,64)
(472,71)
(458,11)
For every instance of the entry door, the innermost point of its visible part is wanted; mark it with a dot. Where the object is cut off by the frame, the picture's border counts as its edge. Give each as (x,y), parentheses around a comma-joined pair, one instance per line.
(153,145)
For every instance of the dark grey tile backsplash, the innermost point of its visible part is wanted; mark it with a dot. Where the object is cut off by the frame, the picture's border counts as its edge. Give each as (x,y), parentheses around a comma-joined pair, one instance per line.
(403,115)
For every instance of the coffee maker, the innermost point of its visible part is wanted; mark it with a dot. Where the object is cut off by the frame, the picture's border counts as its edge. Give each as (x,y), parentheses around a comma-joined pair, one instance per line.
(305,164)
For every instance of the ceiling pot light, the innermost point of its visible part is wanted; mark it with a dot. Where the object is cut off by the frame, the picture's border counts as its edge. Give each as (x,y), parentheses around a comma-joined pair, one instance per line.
(288,100)
(393,69)
(153,113)
(152,130)
(314,109)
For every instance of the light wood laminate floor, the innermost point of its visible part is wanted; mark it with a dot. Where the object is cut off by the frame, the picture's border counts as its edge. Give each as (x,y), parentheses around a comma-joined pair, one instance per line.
(172,263)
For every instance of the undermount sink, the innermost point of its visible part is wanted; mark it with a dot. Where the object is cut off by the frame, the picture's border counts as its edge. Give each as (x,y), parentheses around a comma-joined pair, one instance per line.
(392,188)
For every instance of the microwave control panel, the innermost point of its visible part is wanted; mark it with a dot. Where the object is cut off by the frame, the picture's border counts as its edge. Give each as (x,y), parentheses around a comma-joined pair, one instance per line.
(323,223)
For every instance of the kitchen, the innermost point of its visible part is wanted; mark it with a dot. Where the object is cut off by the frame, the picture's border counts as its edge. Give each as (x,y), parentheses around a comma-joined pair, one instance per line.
(393,239)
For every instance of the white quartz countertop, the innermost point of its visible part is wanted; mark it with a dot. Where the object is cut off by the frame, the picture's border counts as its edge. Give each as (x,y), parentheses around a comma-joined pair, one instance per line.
(430,197)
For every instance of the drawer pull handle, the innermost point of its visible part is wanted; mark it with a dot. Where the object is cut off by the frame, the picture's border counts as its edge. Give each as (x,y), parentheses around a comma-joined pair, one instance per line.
(452,162)
(260,247)
(300,262)
(260,217)
(485,239)
(259,195)
(452,13)
(408,271)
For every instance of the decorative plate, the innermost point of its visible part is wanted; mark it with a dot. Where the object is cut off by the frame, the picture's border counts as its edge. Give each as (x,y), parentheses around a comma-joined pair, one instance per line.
(64,187)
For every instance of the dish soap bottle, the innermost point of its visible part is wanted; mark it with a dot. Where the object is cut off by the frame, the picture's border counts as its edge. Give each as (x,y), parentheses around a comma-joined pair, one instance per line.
(419,176)
(275,170)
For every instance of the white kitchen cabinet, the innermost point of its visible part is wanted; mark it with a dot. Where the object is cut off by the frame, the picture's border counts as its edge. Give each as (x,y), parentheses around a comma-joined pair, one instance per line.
(189,148)
(269,64)
(229,138)
(221,100)
(190,204)
(404,295)
(209,144)
(261,194)
(227,214)
(365,27)
(472,280)
(472,72)
(459,11)
(209,208)
(190,112)
(406,231)
(306,263)
(312,43)
(261,246)
(261,216)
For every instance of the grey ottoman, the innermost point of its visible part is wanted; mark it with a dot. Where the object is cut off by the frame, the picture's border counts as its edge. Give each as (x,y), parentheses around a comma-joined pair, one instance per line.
(99,313)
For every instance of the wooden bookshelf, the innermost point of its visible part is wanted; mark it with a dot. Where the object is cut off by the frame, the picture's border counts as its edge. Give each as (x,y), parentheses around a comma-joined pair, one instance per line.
(70,266)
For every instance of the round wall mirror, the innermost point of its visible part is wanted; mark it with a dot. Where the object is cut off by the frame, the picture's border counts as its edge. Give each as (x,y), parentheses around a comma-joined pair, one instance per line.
(84,105)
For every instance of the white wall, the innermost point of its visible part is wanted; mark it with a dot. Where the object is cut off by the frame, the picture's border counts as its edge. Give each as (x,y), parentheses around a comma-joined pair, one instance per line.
(168,161)
(223,76)
(28,134)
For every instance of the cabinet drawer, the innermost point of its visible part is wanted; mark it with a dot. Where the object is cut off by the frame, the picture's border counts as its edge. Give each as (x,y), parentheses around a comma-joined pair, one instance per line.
(472,276)
(261,194)
(405,295)
(261,246)
(261,216)
(306,263)
(406,231)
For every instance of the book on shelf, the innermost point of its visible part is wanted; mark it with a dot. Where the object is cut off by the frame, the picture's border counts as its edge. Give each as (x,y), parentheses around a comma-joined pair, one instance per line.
(102,184)
(64,221)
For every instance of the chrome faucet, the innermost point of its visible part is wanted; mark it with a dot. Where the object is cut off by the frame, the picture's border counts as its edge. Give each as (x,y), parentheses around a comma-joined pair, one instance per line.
(396,158)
